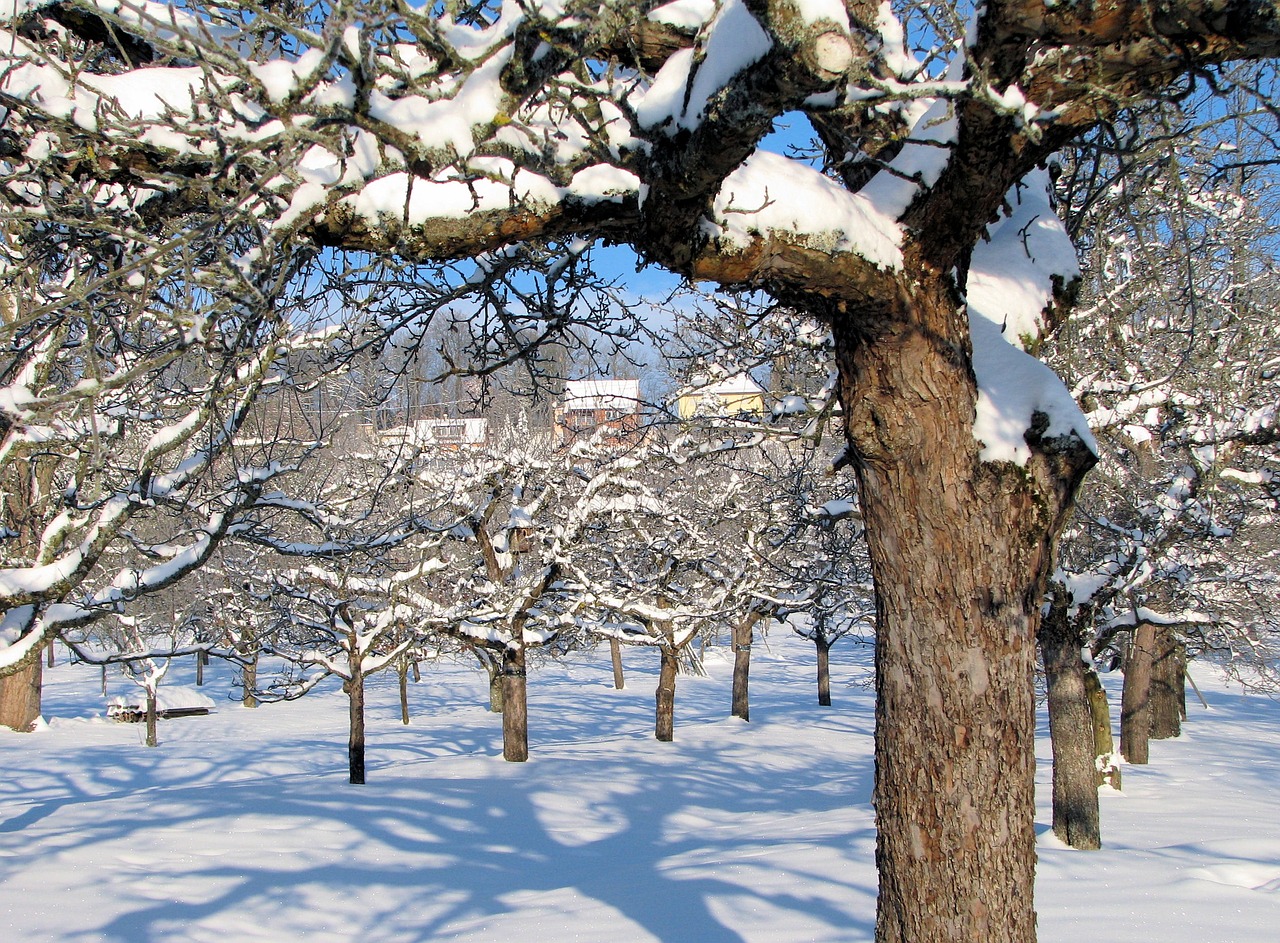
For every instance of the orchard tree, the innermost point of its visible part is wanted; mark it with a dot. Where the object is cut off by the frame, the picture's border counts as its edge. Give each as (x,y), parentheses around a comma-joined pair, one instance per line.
(929,247)
(333,621)
(1172,350)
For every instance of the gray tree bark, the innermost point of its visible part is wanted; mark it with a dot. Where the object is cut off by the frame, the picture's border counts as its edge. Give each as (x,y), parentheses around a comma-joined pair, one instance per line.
(1135,699)
(742,635)
(515,707)
(615,654)
(665,696)
(1075,786)
(1168,685)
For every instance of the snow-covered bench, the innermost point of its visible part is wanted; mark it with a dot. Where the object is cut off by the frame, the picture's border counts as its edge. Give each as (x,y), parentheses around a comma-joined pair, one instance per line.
(170,703)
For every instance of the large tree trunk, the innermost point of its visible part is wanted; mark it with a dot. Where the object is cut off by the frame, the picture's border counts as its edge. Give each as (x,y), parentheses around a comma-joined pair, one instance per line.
(355,716)
(515,707)
(742,666)
(665,696)
(960,551)
(20,697)
(1104,744)
(1168,685)
(1135,698)
(824,670)
(1075,770)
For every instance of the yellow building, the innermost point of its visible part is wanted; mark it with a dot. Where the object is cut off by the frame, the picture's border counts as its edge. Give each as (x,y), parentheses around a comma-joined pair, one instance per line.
(733,396)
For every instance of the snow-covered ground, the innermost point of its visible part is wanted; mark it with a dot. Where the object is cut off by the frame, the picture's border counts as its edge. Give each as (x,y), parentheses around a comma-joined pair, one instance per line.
(241,826)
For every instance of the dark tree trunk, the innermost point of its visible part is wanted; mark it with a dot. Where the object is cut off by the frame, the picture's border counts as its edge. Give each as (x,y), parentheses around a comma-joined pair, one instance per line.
(49,655)
(824,670)
(960,551)
(417,672)
(20,697)
(742,633)
(1104,744)
(1135,699)
(615,653)
(665,696)
(515,708)
(152,712)
(1075,771)
(355,715)
(200,662)
(1168,686)
(402,670)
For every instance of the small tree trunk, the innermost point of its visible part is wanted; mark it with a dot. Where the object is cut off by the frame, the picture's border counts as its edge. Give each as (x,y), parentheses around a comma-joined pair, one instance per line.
(356,738)
(1135,700)
(515,707)
(615,653)
(417,672)
(1075,787)
(742,666)
(249,679)
(1104,744)
(665,697)
(20,697)
(104,680)
(496,685)
(152,712)
(248,646)
(824,670)
(49,655)
(403,671)
(1168,686)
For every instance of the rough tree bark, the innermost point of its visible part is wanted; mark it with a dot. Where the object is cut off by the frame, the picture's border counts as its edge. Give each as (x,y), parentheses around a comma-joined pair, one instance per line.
(402,672)
(354,690)
(153,738)
(1104,744)
(1135,699)
(615,654)
(665,696)
(20,697)
(824,671)
(1075,770)
(960,551)
(742,634)
(515,707)
(1168,685)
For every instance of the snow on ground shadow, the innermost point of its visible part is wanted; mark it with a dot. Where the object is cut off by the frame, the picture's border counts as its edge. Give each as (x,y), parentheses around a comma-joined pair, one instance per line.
(241,825)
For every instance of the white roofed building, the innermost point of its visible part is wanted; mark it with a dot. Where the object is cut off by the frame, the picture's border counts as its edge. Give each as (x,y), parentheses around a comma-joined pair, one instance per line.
(589,405)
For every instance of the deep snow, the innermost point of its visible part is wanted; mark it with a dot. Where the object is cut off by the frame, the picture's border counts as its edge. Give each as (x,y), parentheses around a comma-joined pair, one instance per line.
(241,826)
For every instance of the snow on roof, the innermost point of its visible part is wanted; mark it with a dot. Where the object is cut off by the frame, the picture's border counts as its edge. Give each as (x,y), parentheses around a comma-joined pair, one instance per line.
(602,394)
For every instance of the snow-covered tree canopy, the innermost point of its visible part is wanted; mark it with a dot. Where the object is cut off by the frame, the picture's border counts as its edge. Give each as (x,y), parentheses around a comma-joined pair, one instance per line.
(447,131)
(926,242)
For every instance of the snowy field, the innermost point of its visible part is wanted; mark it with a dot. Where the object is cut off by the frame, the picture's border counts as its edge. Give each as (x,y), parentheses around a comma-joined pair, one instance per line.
(241,826)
